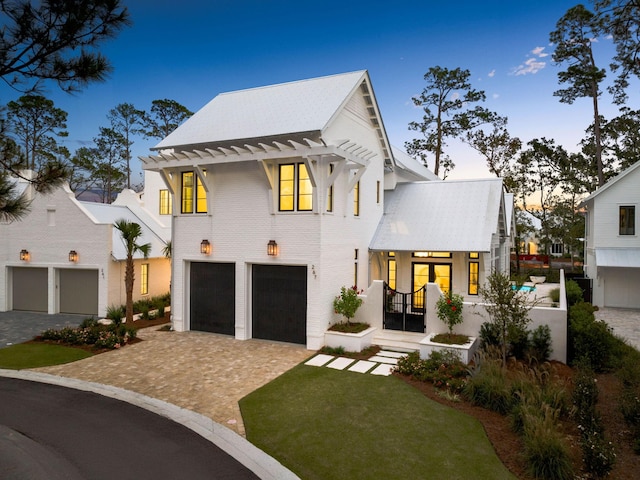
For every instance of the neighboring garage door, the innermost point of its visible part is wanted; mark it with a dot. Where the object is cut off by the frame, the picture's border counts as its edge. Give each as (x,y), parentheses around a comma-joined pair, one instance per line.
(279,306)
(621,287)
(78,291)
(213,297)
(30,289)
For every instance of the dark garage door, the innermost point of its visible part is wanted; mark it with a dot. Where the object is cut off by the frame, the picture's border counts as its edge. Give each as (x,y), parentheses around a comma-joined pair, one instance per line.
(213,297)
(279,305)
(30,289)
(79,291)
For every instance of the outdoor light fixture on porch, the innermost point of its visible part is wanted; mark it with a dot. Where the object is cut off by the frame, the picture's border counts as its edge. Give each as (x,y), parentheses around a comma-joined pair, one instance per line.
(24,255)
(205,247)
(272,248)
(73,256)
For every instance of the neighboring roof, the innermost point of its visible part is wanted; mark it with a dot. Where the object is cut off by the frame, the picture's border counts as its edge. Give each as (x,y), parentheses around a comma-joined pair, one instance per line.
(294,107)
(610,183)
(536,223)
(456,216)
(152,232)
(413,166)
(618,257)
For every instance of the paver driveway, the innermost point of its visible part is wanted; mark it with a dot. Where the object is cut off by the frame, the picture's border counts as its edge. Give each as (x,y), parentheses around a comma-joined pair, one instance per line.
(202,372)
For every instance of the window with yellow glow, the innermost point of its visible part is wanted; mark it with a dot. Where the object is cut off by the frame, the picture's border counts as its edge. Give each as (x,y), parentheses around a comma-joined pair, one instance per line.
(431,254)
(391,273)
(191,184)
(356,200)
(474,269)
(144,279)
(474,255)
(295,188)
(305,189)
(165,202)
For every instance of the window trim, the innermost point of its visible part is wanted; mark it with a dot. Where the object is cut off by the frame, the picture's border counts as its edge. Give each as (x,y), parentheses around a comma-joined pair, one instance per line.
(628,213)
(144,279)
(297,186)
(475,284)
(165,205)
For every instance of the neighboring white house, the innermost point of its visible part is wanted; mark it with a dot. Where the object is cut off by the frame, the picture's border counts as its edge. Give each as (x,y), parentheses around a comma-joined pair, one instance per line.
(283,194)
(66,256)
(612,241)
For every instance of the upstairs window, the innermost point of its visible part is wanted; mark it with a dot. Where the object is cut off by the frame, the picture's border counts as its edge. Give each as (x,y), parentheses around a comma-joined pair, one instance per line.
(330,192)
(296,191)
(628,220)
(194,196)
(165,202)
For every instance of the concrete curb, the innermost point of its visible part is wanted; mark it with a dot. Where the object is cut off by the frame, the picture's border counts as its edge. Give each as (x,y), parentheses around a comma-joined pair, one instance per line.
(243,451)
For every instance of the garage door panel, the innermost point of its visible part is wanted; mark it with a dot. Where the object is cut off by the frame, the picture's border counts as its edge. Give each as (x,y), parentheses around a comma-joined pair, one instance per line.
(279,303)
(30,287)
(621,287)
(78,291)
(212,297)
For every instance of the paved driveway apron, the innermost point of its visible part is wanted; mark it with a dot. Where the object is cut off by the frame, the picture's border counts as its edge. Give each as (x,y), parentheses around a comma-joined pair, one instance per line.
(18,327)
(624,322)
(202,372)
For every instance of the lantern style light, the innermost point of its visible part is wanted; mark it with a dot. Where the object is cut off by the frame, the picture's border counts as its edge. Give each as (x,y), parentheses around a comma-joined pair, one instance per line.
(272,248)
(205,247)
(24,255)
(73,256)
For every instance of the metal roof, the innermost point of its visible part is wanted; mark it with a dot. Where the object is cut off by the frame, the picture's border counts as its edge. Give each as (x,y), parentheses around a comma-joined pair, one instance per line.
(618,257)
(152,232)
(455,216)
(286,108)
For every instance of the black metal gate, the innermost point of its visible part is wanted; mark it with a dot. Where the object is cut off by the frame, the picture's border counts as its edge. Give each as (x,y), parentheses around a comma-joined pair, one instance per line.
(405,311)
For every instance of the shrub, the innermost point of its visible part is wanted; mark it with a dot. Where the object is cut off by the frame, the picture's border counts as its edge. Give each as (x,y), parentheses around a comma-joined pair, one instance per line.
(591,339)
(487,387)
(554,294)
(540,344)
(545,452)
(574,292)
(597,453)
(489,336)
(348,302)
(443,368)
(449,310)
(409,364)
(116,313)
(89,322)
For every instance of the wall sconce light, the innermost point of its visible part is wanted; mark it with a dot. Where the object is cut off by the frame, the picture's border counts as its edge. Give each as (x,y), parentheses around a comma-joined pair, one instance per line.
(24,255)
(73,256)
(272,248)
(205,247)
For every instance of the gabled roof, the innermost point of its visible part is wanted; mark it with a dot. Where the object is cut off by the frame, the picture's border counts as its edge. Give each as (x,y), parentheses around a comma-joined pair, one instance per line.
(152,231)
(611,183)
(412,166)
(304,106)
(455,216)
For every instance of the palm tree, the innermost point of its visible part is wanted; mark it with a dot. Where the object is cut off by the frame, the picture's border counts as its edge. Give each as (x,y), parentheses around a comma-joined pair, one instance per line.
(130,232)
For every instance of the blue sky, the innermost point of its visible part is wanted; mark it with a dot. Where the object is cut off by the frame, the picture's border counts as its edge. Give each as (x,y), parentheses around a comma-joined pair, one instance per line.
(192,50)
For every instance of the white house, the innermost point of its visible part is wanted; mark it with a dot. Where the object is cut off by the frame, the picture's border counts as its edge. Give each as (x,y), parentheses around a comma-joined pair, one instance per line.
(285,193)
(612,243)
(66,256)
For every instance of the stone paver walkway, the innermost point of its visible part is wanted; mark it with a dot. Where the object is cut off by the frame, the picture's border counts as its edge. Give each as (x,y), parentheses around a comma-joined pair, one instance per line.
(381,364)
(202,372)
(624,322)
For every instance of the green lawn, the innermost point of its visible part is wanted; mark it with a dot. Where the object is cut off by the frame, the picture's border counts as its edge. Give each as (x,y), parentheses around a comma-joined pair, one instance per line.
(327,424)
(32,355)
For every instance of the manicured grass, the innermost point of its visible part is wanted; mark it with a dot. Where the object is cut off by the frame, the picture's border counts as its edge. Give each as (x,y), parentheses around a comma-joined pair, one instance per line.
(327,424)
(32,355)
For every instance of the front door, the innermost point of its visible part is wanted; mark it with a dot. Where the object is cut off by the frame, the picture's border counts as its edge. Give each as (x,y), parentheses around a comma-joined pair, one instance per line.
(423,273)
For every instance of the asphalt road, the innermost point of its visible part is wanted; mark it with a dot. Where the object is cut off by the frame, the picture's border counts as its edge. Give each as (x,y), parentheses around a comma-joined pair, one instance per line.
(51,432)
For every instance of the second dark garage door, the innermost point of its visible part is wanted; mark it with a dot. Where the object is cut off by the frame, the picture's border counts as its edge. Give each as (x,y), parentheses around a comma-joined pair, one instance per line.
(213,297)
(279,303)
